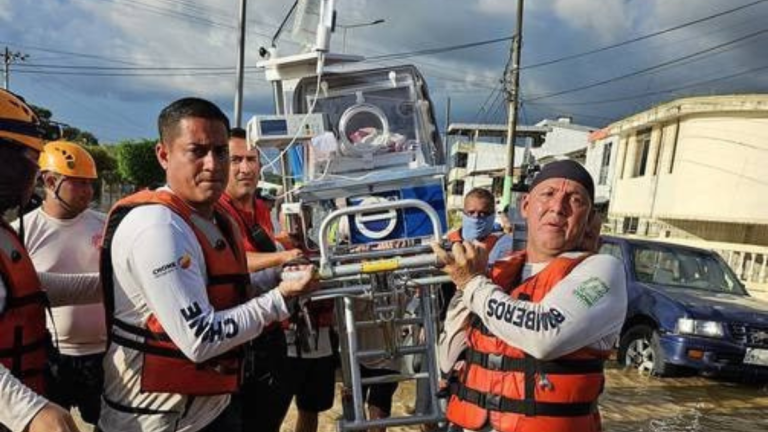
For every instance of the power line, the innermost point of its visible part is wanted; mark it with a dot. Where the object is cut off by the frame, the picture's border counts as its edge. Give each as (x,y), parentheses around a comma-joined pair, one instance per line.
(644,37)
(648,69)
(69,53)
(137,68)
(488,99)
(662,92)
(431,51)
(125,74)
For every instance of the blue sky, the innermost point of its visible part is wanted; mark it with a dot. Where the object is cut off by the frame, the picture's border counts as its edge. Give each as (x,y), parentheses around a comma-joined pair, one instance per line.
(67,39)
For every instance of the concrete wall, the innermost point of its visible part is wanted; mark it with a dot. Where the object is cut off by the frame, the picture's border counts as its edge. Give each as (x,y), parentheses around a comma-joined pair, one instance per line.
(712,169)
(718,172)
(562,139)
(594,161)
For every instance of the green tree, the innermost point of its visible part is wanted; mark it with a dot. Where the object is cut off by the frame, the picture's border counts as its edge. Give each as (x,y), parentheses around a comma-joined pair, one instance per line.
(79,136)
(137,164)
(42,113)
(69,133)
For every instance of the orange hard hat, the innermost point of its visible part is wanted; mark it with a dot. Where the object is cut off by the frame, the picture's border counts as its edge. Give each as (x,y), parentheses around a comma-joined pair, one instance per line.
(68,159)
(18,123)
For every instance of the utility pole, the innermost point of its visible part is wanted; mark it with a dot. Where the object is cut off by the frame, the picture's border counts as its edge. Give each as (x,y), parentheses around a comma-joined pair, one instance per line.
(511,87)
(240,67)
(8,58)
(447,125)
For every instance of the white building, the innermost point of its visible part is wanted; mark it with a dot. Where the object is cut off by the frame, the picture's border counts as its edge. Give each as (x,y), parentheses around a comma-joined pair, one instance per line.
(479,155)
(691,170)
(478,158)
(564,140)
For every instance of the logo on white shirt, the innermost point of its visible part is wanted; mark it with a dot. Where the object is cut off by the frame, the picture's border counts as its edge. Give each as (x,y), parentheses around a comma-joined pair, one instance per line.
(183,262)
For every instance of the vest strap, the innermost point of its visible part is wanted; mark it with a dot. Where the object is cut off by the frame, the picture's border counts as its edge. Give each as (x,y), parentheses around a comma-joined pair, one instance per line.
(493,402)
(162,351)
(24,349)
(501,363)
(146,348)
(38,297)
(140,331)
(134,410)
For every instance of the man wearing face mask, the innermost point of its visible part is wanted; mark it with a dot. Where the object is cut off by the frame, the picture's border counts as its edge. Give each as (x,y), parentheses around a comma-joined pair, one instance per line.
(477,219)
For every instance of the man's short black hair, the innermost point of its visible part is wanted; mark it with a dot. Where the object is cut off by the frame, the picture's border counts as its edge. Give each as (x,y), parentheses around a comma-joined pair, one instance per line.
(237,132)
(171,115)
(482,194)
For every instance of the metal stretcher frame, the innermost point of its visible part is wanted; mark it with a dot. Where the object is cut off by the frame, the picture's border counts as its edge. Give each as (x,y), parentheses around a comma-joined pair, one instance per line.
(351,275)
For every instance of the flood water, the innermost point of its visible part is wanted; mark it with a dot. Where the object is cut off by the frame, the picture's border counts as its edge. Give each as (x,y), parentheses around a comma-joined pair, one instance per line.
(633,402)
(636,403)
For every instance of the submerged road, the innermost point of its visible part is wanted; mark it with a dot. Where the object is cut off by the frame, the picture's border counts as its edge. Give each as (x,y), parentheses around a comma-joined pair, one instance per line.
(636,403)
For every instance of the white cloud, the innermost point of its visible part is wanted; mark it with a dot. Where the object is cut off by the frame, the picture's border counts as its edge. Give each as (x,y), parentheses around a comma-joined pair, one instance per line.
(5,10)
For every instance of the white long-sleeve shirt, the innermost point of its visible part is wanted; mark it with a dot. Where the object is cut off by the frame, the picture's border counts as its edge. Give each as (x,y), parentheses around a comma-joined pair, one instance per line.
(585,309)
(146,251)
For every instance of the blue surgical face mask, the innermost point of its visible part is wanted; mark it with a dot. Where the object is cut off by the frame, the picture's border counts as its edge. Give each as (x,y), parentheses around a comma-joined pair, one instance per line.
(476,228)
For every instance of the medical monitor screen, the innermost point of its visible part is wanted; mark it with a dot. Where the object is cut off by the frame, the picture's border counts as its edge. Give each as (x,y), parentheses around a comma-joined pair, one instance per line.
(273,127)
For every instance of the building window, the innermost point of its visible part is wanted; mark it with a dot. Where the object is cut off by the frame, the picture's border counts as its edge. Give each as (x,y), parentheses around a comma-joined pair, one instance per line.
(605,163)
(491,138)
(630,225)
(457,188)
(460,160)
(674,148)
(643,148)
(497,187)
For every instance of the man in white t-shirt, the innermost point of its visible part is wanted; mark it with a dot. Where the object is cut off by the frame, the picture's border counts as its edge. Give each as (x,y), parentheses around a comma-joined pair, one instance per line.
(64,236)
(177,289)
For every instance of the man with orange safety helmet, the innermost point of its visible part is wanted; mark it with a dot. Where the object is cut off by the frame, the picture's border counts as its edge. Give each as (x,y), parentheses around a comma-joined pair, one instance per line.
(541,325)
(64,236)
(23,336)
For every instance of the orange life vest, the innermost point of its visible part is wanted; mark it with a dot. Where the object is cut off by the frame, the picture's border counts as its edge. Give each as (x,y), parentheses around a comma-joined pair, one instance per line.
(166,369)
(514,391)
(489,242)
(23,336)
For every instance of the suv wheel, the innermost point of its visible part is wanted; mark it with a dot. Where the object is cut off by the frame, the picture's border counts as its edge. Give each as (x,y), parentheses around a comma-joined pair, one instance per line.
(639,349)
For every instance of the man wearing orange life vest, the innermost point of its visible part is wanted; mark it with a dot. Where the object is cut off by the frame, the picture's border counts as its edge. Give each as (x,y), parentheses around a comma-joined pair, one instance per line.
(177,291)
(23,336)
(264,394)
(543,322)
(64,235)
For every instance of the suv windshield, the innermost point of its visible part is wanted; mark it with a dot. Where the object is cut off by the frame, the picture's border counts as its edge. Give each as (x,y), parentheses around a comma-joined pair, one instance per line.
(679,267)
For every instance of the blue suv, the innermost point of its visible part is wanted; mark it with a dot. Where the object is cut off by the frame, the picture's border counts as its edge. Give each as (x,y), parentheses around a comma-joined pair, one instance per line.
(687,311)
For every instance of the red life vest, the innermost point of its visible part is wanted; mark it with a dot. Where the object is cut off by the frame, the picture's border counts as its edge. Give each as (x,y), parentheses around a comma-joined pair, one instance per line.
(516,392)
(166,369)
(23,336)
(257,236)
